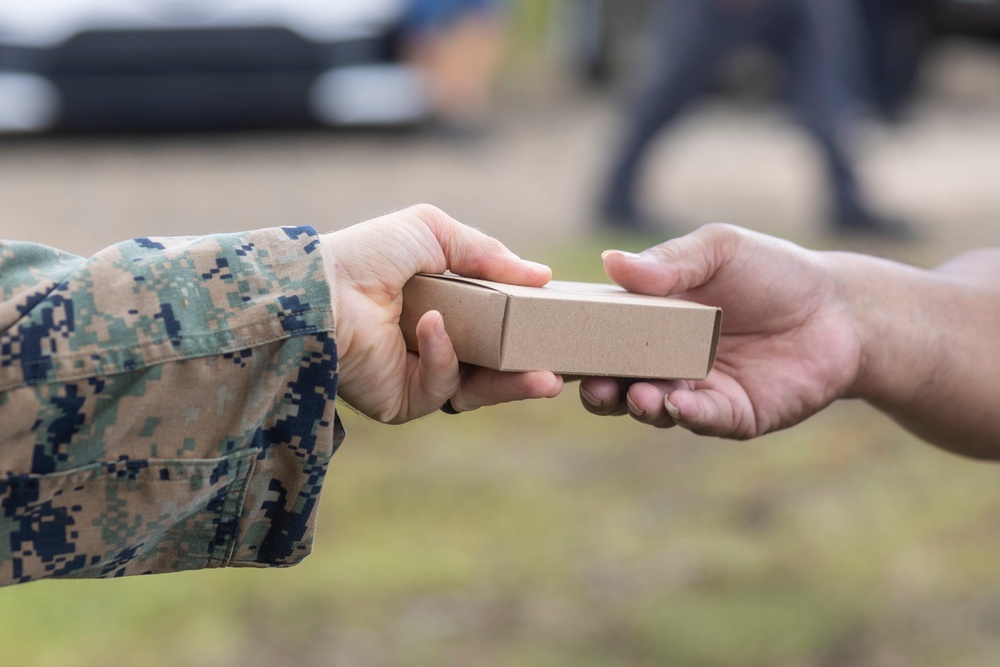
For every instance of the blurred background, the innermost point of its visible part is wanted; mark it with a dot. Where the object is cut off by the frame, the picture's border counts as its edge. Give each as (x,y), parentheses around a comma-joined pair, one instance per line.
(538,534)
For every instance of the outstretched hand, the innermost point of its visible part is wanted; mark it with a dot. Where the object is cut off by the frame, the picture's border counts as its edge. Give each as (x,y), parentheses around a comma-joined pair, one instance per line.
(788,346)
(368,264)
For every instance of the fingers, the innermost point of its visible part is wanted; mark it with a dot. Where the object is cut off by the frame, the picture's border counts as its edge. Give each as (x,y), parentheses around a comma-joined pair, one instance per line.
(643,401)
(604,396)
(676,266)
(469,252)
(668,403)
(439,377)
(648,403)
(709,412)
(702,411)
(481,387)
(436,377)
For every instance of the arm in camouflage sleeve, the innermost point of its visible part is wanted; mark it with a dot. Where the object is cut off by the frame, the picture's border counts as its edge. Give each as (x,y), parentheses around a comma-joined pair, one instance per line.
(169,404)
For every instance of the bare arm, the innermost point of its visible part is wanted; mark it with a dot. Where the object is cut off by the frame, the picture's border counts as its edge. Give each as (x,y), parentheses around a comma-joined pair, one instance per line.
(931,346)
(803,328)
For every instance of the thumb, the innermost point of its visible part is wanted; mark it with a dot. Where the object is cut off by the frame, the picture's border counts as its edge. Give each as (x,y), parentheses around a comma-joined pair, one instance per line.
(434,372)
(676,266)
(469,252)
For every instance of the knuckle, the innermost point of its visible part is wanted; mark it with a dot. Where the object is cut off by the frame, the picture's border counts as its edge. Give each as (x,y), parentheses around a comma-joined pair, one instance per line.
(427,213)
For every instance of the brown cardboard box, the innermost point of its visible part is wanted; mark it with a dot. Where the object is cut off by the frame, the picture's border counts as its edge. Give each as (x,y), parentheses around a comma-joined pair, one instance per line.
(565,327)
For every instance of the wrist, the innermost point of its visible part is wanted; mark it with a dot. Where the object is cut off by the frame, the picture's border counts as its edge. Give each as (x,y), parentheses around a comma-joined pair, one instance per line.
(889,304)
(335,283)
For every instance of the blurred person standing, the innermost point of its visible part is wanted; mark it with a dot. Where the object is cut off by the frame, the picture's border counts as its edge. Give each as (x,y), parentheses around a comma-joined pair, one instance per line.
(823,47)
(899,31)
(458,45)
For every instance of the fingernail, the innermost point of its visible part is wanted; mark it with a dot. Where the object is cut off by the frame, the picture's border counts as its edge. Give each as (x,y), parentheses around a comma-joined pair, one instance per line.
(623,253)
(671,408)
(590,398)
(633,408)
(536,265)
(439,329)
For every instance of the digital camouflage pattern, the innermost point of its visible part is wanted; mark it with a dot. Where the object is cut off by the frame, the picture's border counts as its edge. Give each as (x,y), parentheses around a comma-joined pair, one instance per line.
(168,404)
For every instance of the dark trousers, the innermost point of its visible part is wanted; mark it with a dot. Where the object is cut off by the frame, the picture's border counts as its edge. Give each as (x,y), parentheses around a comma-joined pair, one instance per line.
(820,43)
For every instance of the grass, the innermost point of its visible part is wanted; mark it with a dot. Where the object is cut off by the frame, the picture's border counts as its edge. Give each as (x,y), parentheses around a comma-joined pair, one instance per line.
(535,534)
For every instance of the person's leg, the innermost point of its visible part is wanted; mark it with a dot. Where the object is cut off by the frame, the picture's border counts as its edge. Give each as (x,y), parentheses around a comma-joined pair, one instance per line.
(828,90)
(897,32)
(691,38)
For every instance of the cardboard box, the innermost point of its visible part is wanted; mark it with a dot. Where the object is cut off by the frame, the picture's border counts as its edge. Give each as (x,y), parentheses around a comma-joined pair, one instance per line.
(568,328)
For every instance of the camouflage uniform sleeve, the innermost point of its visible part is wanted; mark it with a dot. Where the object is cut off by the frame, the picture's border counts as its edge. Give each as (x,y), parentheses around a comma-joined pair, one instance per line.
(167,404)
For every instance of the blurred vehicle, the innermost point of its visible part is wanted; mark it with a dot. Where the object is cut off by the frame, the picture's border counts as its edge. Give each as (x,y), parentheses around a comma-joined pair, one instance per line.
(142,64)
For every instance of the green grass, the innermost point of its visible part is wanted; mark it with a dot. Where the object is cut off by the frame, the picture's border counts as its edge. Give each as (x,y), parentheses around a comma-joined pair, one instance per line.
(538,535)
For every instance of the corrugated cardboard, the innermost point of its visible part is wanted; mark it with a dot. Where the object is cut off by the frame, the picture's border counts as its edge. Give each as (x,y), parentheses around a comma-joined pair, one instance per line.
(565,327)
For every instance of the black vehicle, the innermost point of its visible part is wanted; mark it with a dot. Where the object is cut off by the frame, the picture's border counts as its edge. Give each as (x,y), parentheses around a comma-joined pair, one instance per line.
(113,64)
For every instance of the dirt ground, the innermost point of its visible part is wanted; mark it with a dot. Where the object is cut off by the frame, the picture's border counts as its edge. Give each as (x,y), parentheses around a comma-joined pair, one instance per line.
(530,181)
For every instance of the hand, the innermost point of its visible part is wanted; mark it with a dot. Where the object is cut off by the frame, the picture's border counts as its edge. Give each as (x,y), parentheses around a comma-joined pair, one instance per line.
(368,264)
(788,344)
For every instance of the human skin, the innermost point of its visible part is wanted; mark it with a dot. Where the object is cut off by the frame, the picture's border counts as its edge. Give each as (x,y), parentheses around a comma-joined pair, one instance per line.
(367,266)
(803,328)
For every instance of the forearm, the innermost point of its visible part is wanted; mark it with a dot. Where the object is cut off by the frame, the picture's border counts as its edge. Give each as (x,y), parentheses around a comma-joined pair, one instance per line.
(189,382)
(929,346)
